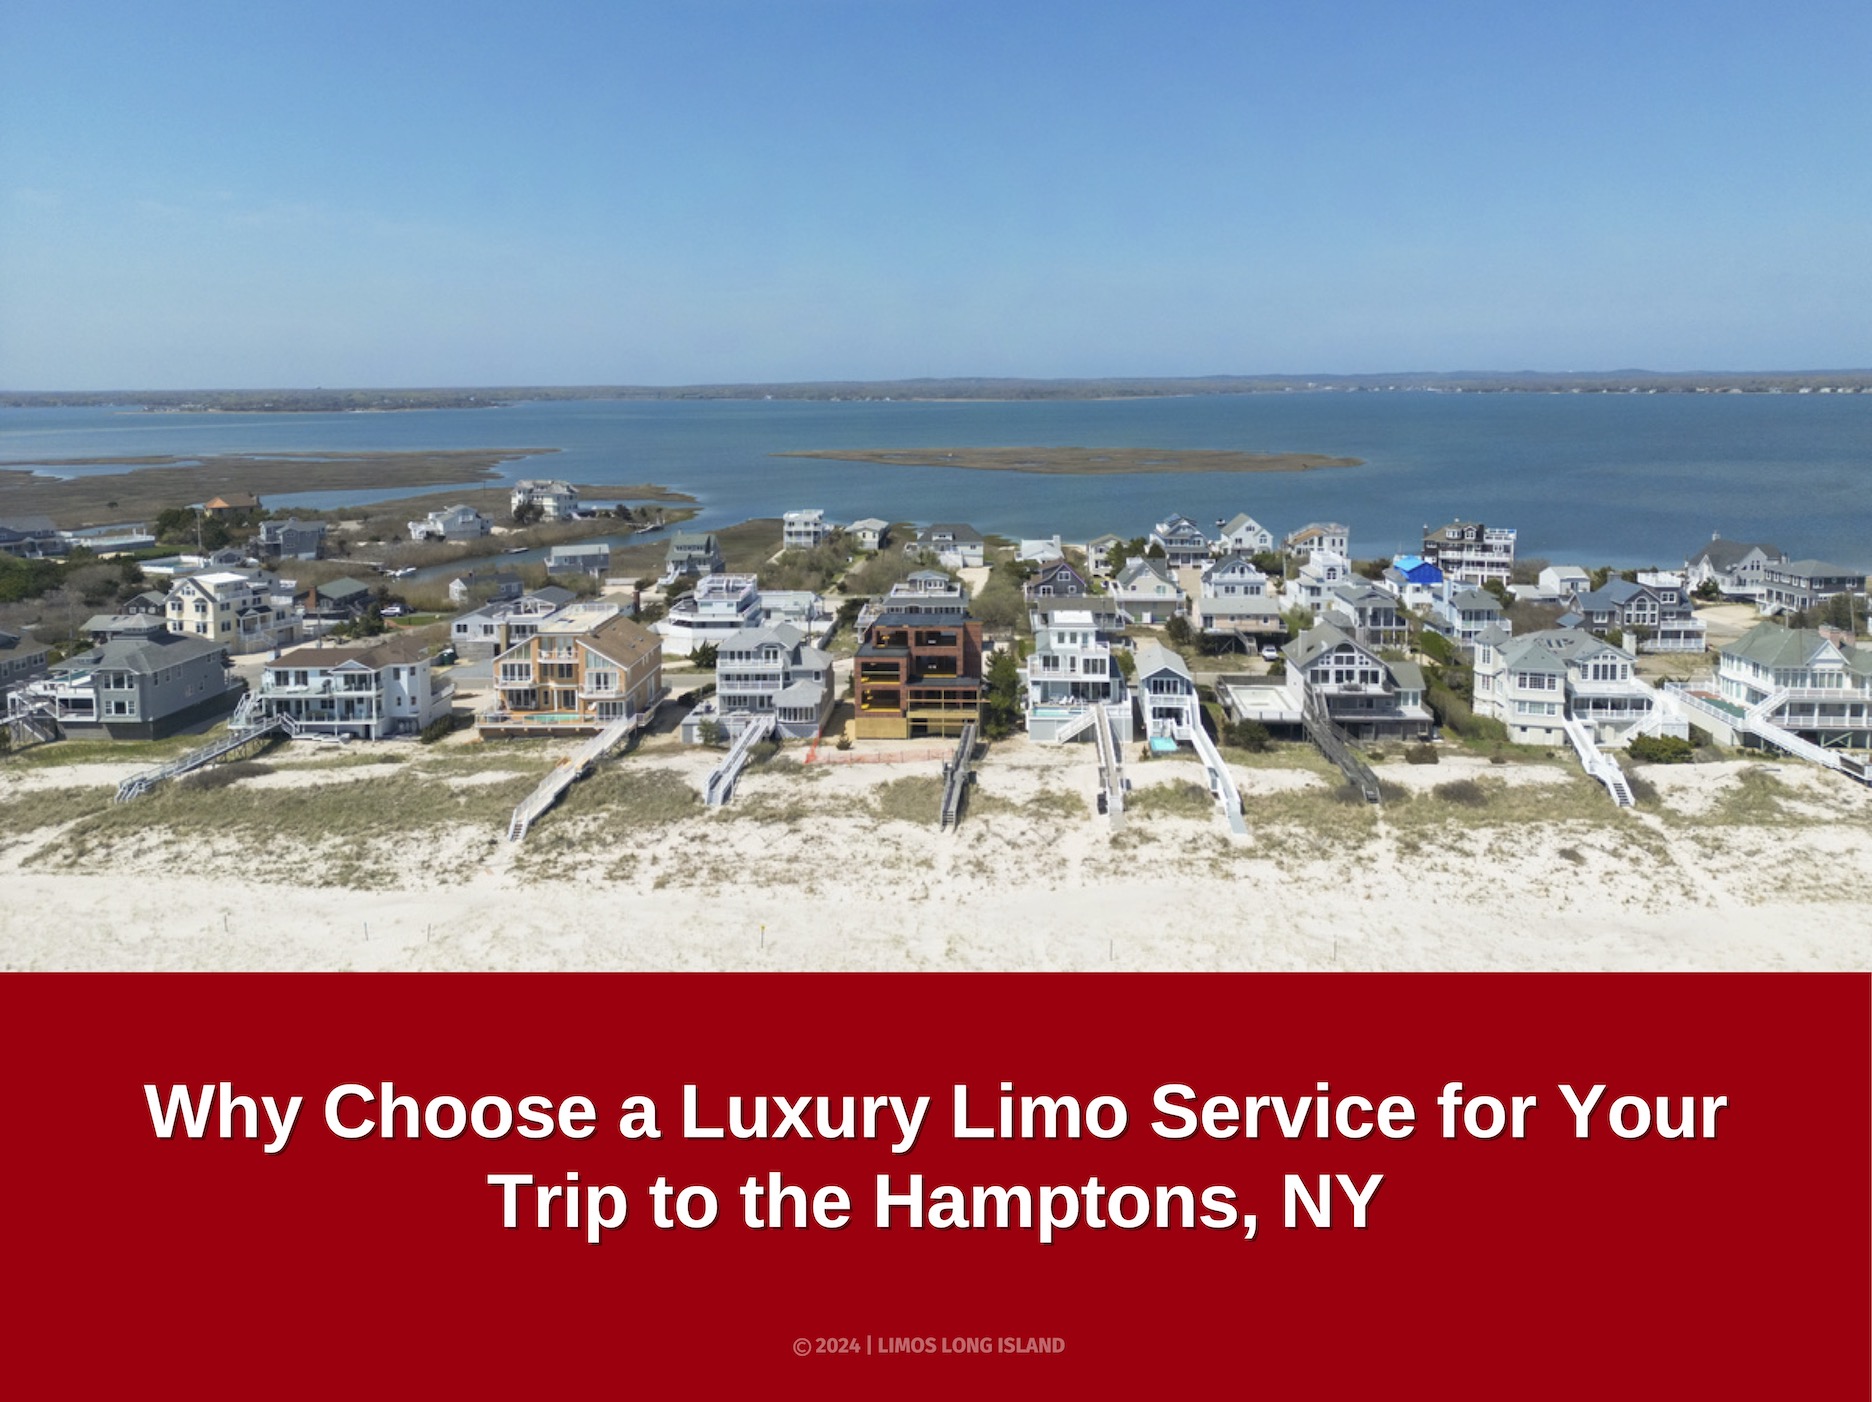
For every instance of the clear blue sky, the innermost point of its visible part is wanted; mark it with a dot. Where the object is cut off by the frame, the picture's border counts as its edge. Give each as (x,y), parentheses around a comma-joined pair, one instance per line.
(287,194)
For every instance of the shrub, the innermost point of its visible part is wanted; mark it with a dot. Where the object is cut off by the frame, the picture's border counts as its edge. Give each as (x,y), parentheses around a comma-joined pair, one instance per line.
(1464,792)
(441,728)
(221,775)
(1498,758)
(1249,735)
(1661,749)
(1420,754)
(710,733)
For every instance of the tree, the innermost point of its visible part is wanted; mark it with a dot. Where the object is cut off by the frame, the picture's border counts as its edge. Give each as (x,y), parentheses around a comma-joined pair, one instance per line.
(1178,630)
(528,513)
(1001,713)
(704,656)
(710,733)
(1271,563)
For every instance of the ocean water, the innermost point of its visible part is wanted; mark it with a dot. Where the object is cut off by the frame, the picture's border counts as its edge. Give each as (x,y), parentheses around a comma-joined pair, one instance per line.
(1629,480)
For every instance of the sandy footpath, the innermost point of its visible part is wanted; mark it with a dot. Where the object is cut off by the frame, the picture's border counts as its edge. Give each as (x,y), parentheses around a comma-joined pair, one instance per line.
(813,871)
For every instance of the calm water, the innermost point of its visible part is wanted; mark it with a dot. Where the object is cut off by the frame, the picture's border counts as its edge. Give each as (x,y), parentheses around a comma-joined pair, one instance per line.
(1620,479)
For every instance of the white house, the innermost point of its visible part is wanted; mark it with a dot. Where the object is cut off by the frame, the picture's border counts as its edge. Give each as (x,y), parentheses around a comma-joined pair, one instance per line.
(1241,534)
(1533,683)
(869,534)
(1040,552)
(1329,536)
(1322,573)
(1098,553)
(1736,567)
(1803,681)
(804,530)
(557,501)
(1234,597)
(1563,582)
(1071,670)
(370,692)
(451,523)
(720,604)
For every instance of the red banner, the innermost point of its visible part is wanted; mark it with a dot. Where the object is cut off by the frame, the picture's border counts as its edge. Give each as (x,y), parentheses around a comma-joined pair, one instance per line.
(1479,1186)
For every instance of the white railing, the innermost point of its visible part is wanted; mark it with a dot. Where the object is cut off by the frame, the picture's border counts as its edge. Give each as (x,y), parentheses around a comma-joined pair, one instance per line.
(1595,763)
(1111,767)
(1221,781)
(718,788)
(572,769)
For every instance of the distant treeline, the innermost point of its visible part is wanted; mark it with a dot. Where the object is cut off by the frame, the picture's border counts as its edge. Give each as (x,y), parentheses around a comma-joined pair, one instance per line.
(308,401)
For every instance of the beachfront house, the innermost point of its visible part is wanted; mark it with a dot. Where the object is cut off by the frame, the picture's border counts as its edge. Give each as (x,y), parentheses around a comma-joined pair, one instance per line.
(1181,541)
(21,659)
(1332,537)
(804,530)
(720,604)
(1736,567)
(495,627)
(1039,550)
(1166,692)
(1795,586)
(290,540)
(585,667)
(692,552)
(1470,552)
(1071,670)
(1146,593)
(953,545)
(869,534)
(770,670)
(557,501)
(591,558)
(141,683)
(1533,683)
(1800,679)
(370,691)
(237,610)
(1056,580)
(1461,614)
(1362,693)
(917,674)
(1241,534)
(452,523)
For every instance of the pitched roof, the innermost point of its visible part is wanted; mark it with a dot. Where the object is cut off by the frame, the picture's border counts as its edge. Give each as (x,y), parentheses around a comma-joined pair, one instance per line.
(395,650)
(623,640)
(1770,645)
(142,654)
(1322,637)
(1723,554)
(1155,657)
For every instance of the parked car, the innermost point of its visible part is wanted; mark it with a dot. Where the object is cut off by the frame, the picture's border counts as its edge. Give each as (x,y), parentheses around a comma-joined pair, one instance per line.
(1270,653)
(395,610)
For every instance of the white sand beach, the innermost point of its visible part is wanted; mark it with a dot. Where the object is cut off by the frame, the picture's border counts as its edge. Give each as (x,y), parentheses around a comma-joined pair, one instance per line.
(1740,864)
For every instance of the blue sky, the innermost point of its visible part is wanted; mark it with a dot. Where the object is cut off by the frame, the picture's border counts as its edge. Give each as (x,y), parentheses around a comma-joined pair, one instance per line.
(196,195)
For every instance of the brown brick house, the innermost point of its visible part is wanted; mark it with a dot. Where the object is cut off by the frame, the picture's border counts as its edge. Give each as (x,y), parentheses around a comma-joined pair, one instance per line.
(918,674)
